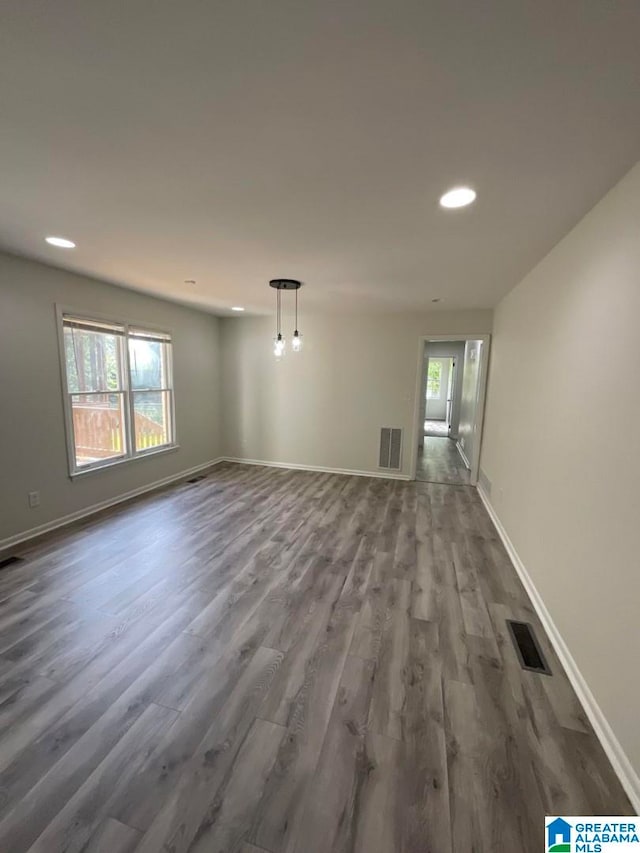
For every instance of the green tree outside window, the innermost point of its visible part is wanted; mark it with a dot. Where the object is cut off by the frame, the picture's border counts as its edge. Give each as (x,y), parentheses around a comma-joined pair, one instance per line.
(434,380)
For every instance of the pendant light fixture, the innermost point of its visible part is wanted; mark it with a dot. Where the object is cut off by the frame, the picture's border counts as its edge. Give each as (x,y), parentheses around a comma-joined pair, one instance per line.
(296,340)
(279,343)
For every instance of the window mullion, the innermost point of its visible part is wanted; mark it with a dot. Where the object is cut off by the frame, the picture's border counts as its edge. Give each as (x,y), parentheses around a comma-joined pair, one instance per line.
(129,410)
(172,416)
(168,378)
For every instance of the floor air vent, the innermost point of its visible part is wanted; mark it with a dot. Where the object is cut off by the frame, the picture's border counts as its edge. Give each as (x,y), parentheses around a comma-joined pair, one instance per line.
(9,561)
(390,447)
(527,647)
(197,479)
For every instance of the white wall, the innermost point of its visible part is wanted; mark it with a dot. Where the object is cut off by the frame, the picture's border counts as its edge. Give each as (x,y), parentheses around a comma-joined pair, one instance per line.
(469,400)
(325,405)
(33,454)
(565,482)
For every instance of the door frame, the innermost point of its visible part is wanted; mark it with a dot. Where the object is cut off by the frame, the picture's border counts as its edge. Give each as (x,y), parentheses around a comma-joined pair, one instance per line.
(451,392)
(481,399)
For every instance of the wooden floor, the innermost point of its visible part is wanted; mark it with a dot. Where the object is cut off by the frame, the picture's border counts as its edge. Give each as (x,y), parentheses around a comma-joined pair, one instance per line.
(275,660)
(440,462)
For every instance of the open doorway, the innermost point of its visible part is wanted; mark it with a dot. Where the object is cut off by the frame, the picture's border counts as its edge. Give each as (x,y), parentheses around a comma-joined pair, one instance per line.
(440,383)
(450,403)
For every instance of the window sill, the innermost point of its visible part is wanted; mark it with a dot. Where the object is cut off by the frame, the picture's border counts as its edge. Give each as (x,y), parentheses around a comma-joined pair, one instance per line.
(123,460)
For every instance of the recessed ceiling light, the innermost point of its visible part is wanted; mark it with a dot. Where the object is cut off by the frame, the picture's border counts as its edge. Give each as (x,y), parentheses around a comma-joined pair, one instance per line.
(60,242)
(237,308)
(458,197)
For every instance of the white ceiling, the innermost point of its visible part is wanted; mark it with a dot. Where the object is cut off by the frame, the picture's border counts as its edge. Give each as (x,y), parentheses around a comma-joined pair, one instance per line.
(234,142)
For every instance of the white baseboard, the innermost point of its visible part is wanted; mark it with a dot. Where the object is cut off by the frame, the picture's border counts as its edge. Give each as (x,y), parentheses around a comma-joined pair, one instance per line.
(628,777)
(463,454)
(294,467)
(10,541)
(32,532)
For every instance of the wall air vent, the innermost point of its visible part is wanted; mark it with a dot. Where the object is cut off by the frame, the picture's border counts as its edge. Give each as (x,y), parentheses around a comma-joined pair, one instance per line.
(527,647)
(197,479)
(390,448)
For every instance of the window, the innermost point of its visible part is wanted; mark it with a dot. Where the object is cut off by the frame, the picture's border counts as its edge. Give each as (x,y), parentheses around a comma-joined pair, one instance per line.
(434,380)
(118,394)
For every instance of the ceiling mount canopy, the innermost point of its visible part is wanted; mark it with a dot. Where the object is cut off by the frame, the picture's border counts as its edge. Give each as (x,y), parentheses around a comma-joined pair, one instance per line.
(285,284)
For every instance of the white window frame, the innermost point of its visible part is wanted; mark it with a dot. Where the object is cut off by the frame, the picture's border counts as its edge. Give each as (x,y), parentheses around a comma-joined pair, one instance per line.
(130,453)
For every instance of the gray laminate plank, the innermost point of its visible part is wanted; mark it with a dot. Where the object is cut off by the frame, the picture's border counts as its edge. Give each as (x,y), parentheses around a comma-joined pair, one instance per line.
(371,620)
(424,798)
(328,819)
(433,573)
(455,643)
(440,462)
(54,650)
(180,784)
(225,824)
(75,823)
(461,734)
(282,803)
(475,615)
(501,762)
(71,733)
(379,814)
(311,625)
(285,659)
(389,686)
(113,837)
(404,562)
(20,695)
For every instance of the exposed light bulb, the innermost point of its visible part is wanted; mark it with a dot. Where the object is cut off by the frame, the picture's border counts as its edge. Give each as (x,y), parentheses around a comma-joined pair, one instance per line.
(296,341)
(279,346)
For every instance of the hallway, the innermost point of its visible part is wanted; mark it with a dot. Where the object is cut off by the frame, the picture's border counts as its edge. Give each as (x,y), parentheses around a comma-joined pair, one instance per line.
(440,462)
(440,428)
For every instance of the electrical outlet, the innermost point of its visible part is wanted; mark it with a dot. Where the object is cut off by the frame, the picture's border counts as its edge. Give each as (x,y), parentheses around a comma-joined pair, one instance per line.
(34,499)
